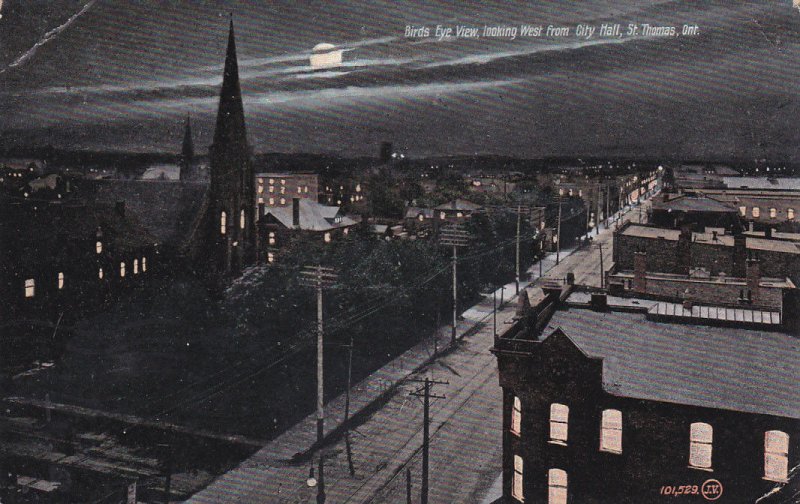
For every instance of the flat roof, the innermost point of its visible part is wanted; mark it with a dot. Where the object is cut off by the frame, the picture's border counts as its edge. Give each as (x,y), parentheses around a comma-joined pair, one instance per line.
(753,242)
(737,369)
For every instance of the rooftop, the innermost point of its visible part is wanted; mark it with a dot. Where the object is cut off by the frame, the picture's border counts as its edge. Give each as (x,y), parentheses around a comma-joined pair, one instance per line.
(786,183)
(744,370)
(684,203)
(753,243)
(313,216)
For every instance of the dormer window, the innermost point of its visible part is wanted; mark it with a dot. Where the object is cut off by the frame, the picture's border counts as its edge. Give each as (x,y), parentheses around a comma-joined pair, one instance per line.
(337,219)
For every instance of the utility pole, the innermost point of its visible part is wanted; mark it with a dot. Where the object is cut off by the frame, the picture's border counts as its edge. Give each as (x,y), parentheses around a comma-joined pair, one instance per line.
(558,231)
(494,311)
(349,379)
(167,450)
(319,277)
(519,222)
(425,393)
(456,237)
(602,270)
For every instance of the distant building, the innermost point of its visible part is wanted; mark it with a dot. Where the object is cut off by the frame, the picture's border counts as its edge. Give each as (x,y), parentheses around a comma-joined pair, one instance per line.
(633,401)
(277,189)
(456,210)
(699,212)
(763,207)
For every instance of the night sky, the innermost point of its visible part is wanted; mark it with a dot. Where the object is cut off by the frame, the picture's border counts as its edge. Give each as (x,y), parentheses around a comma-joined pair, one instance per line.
(122,75)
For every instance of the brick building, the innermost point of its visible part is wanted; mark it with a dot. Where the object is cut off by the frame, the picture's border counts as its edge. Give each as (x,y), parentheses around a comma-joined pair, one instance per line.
(680,252)
(765,208)
(609,400)
(278,189)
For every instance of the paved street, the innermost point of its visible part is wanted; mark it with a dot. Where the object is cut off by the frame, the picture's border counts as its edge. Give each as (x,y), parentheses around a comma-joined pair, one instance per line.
(465,425)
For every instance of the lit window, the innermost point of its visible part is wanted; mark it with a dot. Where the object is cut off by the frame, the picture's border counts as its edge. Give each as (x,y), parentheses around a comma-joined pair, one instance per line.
(459,214)
(241,219)
(570,192)
(136,266)
(559,421)
(701,438)
(327,237)
(122,270)
(30,288)
(516,416)
(100,273)
(561,191)
(270,257)
(283,201)
(260,189)
(272,201)
(358,187)
(421,217)
(272,181)
(60,280)
(144,264)
(776,456)
(98,247)
(756,212)
(557,486)
(580,193)
(260,180)
(441,215)
(272,189)
(272,238)
(611,431)
(260,200)
(743,211)
(223,222)
(346,231)
(283,181)
(283,190)
(773,212)
(790,213)
(516,490)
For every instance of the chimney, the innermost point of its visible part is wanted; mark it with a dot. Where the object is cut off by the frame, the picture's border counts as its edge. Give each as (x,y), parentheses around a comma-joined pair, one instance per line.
(296,212)
(739,255)
(753,277)
(599,302)
(640,272)
(119,206)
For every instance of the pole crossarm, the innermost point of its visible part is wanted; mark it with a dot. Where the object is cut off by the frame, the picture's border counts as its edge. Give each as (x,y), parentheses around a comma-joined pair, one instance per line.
(454,236)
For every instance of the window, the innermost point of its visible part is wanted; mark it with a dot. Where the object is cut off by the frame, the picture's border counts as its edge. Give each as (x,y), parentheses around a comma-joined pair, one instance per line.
(272,238)
(421,217)
(260,200)
(283,201)
(756,212)
(283,181)
(557,486)
(790,213)
(327,237)
(60,280)
(136,266)
(223,222)
(260,180)
(776,456)
(122,270)
(743,211)
(272,201)
(98,247)
(346,231)
(516,489)
(611,431)
(701,437)
(559,421)
(100,273)
(516,416)
(272,189)
(241,219)
(260,189)
(30,288)
(773,212)
(272,181)
(441,215)
(283,190)
(270,257)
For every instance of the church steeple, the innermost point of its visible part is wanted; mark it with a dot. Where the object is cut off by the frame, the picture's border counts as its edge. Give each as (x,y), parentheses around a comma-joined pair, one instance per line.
(187,152)
(230,129)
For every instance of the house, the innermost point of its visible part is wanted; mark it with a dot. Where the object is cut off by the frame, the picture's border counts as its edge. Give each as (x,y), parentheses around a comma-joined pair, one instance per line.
(456,209)
(625,400)
(277,225)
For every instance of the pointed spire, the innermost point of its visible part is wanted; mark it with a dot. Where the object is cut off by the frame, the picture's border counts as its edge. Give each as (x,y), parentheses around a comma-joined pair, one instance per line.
(230,129)
(187,153)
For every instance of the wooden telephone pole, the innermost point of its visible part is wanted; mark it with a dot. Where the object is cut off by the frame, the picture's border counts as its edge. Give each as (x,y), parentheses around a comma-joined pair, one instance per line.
(425,393)
(456,237)
(520,209)
(319,277)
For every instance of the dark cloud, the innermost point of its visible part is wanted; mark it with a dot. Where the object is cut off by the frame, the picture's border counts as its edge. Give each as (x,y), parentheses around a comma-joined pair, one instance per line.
(124,74)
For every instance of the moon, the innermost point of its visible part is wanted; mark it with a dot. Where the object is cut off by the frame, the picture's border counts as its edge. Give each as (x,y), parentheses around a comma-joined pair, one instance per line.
(324,56)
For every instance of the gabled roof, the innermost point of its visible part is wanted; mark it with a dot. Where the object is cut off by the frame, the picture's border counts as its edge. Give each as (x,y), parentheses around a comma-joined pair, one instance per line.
(727,368)
(313,216)
(459,204)
(415,212)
